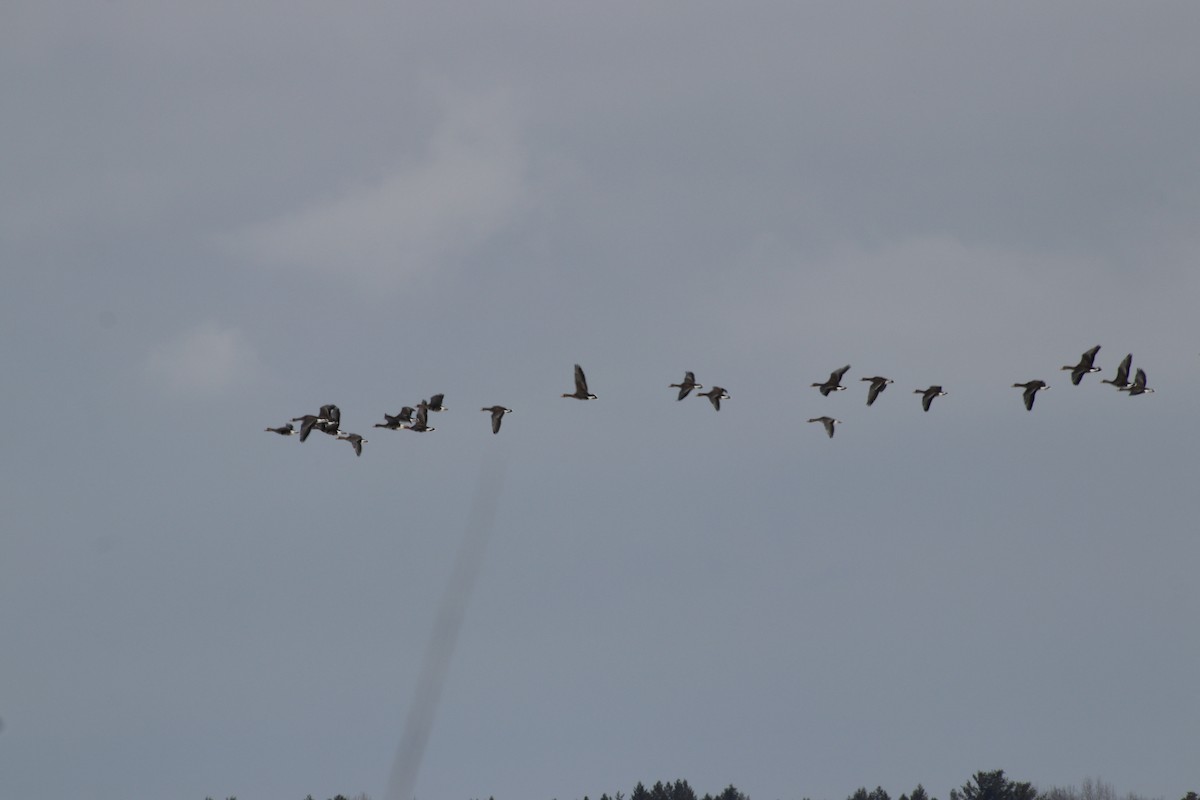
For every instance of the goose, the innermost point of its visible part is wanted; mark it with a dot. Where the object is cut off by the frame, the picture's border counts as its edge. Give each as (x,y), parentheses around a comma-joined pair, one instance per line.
(435,403)
(828,422)
(331,419)
(1139,384)
(1084,366)
(308,422)
(1031,389)
(927,395)
(834,384)
(392,423)
(581,388)
(355,441)
(497,413)
(286,430)
(715,395)
(1122,379)
(685,388)
(878,384)
(421,423)
(398,421)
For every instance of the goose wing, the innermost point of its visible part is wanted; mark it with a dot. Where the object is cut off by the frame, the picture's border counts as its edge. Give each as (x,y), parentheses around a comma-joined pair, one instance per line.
(1123,370)
(873,391)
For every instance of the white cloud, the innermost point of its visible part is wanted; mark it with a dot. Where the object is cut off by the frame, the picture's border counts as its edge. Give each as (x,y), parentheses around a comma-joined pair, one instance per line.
(206,359)
(469,185)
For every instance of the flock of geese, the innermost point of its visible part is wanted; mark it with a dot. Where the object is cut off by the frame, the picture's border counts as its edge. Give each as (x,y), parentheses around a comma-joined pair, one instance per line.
(416,418)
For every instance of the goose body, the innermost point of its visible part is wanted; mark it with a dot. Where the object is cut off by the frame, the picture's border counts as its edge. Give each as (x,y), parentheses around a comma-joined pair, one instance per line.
(355,441)
(435,403)
(308,422)
(398,421)
(685,388)
(421,423)
(581,388)
(878,384)
(1031,389)
(715,395)
(927,395)
(286,430)
(834,384)
(1086,364)
(330,420)
(497,413)
(828,422)
(1121,381)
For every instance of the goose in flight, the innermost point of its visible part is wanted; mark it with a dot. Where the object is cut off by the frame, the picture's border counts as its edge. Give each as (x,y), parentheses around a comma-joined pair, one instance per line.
(1031,389)
(1084,366)
(421,423)
(308,422)
(689,383)
(1122,379)
(834,384)
(715,395)
(927,395)
(435,403)
(878,384)
(355,441)
(828,422)
(497,413)
(398,421)
(581,387)
(286,430)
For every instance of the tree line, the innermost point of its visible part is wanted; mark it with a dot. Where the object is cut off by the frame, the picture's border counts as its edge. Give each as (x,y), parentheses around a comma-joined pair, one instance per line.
(992,785)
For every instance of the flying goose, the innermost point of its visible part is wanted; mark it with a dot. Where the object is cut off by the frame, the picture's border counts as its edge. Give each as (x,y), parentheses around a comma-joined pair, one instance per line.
(828,422)
(286,430)
(497,413)
(1122,379)
(927,395)
(331,419)
(308,422)
(1139,384)
(421,423)
(395,423)
(435,403)
(834,384)
(1084,366)
(715,395)
(689,383)
(1031,390)
(878,384)
(355,441)
(581,389)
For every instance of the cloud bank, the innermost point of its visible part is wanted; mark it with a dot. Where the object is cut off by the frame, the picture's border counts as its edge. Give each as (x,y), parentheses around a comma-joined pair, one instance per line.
(471,182)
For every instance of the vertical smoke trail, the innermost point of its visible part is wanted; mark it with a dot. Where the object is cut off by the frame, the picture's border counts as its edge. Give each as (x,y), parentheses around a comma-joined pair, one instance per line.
(421,712)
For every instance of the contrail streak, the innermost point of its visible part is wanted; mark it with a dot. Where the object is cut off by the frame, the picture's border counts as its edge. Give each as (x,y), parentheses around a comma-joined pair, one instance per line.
(418,724)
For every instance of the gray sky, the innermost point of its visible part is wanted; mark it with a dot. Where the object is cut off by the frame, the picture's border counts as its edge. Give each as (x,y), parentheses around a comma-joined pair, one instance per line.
(215,217)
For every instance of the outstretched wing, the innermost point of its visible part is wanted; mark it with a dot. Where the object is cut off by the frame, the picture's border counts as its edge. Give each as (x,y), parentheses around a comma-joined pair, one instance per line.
(873,391)
(581,387)
(1123,369)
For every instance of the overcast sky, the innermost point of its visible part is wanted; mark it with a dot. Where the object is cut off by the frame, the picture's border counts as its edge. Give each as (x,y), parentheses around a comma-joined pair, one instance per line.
(218,216)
